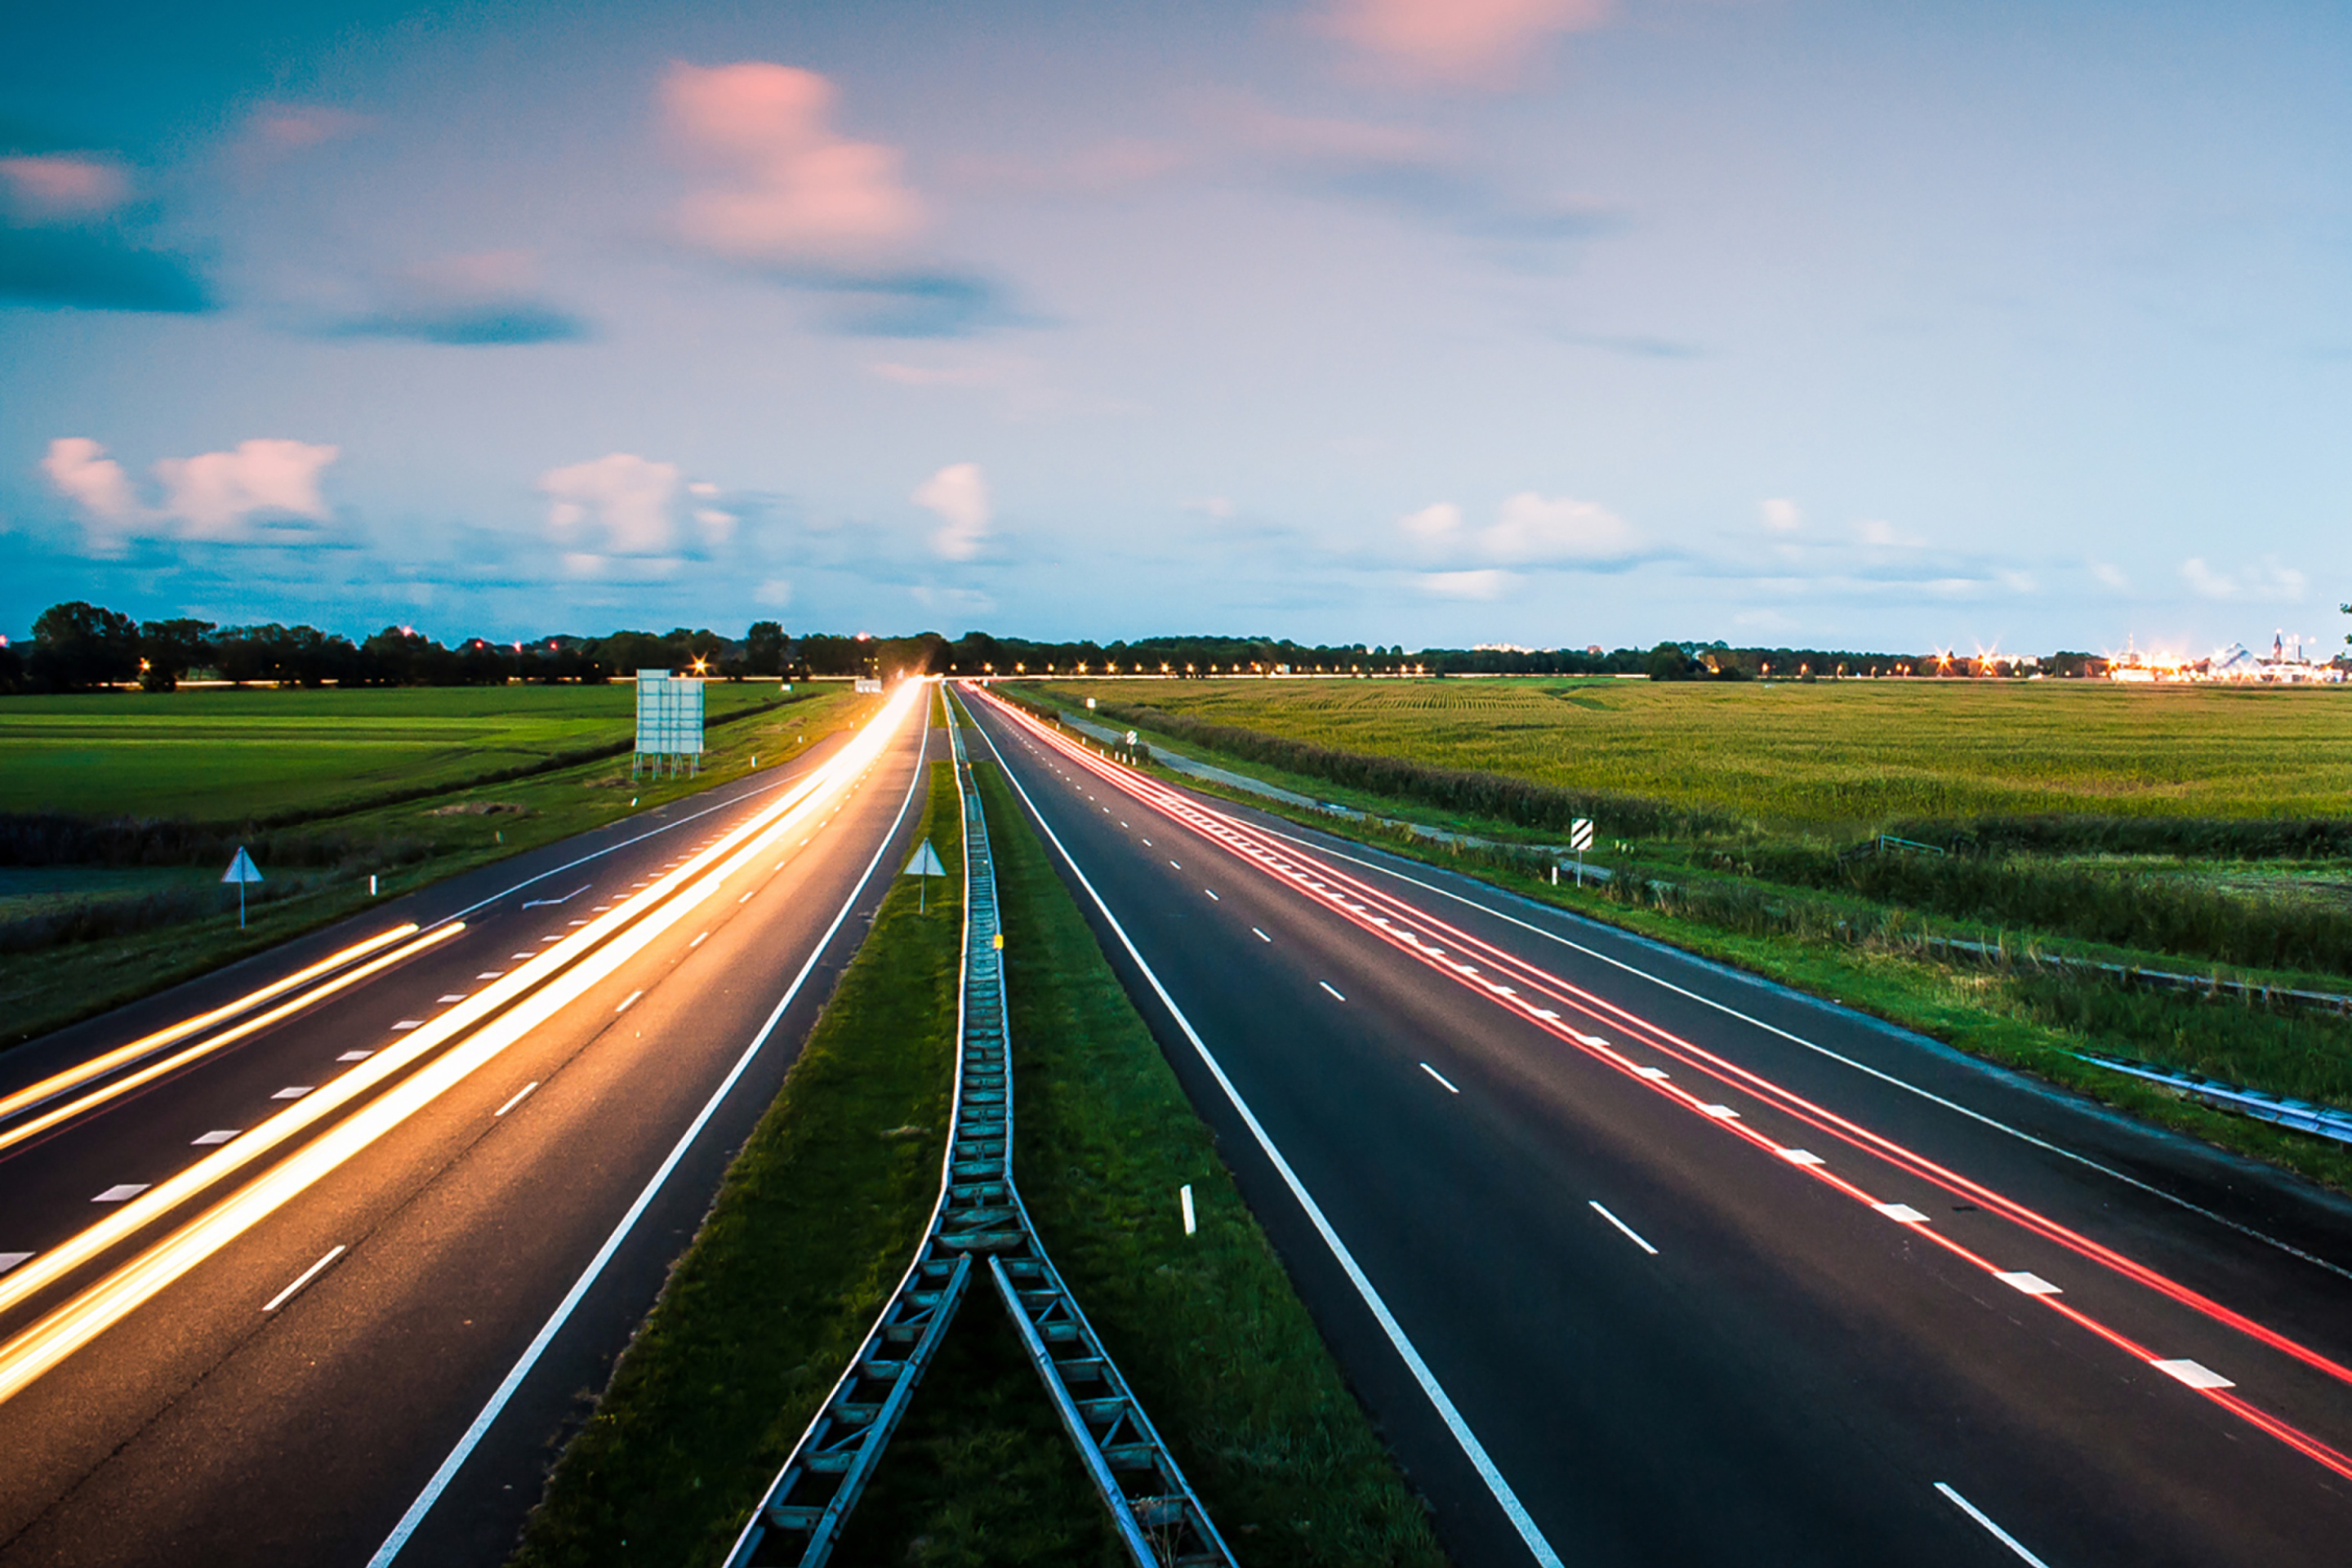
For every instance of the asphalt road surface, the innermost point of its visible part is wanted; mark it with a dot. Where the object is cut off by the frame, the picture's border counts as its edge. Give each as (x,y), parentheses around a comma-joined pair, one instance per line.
(515,1123)
(1639,1260)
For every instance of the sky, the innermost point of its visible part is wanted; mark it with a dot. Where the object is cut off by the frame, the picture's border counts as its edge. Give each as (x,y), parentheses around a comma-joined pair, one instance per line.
(1430,322)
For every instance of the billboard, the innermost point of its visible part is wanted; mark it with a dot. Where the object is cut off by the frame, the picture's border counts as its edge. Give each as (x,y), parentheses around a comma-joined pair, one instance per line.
(669,715)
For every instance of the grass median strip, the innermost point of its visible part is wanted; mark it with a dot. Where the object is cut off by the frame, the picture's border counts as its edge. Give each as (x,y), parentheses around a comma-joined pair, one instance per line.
(1206,1328)
(810,1231)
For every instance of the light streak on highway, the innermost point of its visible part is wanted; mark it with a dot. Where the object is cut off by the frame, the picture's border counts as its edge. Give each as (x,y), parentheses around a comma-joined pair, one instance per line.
(81,1073)
(525,998)
(1441,946)
(178,1059)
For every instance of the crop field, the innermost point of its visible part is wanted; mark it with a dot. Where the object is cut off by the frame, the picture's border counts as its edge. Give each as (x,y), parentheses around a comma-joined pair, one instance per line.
(1832,757)
(233,755)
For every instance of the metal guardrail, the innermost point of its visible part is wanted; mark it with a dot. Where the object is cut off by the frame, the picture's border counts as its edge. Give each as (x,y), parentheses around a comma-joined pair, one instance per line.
(2303,1115)
(978,1216)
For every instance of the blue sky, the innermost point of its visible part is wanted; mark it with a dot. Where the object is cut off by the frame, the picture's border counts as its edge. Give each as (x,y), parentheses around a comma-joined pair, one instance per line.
(1547,321)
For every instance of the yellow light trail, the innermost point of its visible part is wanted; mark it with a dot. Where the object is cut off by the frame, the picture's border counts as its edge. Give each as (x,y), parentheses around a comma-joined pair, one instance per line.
(58,1333)
(39,1124)
(60,1083)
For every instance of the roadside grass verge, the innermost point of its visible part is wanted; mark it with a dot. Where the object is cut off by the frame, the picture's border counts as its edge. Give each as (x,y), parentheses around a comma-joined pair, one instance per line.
(811,1229)
(318,873)
(1207,1329)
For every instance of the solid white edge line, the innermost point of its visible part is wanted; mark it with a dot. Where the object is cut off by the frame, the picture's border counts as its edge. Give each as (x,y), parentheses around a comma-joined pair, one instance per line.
(474,1434)
(1996,1531)
(1475,1451)
(1630,1234)
(301,1279)
(1839,1056)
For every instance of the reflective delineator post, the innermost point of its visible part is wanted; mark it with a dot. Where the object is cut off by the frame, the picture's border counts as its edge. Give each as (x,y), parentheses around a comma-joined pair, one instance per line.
(241,870)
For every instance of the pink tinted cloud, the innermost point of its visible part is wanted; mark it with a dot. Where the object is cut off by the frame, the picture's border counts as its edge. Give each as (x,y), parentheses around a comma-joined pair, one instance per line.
(788,191)
(47,187)
(293,127)
(216,494)
(1458,41)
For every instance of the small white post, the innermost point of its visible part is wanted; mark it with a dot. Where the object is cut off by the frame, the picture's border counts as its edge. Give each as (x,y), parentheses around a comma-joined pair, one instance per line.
(371,884)
(1184,1193)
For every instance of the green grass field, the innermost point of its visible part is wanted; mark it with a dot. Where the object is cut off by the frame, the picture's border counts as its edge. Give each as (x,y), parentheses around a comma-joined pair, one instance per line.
(233,755)
(1840,757)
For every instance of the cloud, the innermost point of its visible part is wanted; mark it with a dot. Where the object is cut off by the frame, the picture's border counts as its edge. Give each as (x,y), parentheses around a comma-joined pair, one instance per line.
(915,304)
(96,269)
(1437,524)
(1880,534)
(215,497)
(789,192)
(1782,516)
(63,187)
(2269,581)
(1534,529)
(1457,42)
(489,297)
(2018,581)
(957,496)
(1406,167)
(775,593)
(619,504)
(293,127)
(1483,583)
(2112,575)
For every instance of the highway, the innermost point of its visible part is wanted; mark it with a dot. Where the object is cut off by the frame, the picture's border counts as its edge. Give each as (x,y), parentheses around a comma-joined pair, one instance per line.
(1636,1259)
(316,1260)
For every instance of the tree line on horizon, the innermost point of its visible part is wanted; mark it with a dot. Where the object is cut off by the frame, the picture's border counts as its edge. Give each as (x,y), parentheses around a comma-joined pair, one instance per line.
(80,647)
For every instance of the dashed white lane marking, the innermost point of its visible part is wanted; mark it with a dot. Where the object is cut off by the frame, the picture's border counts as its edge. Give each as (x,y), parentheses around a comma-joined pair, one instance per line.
(1440,1078)
(294,1091)
(1213,895)
(1331,988)
(1996,1531)
(1177,866)
(218,1136)
(491,974)
(1547,1014)
(514,956)
(1798,1156)
(301,1279)
(10,1259)
(1629,1233)
(510,1104)
(1259,935)
(355,1055)
(121,1192)
(1901,1213)
(1651,1073)
(2025,1280)
(408,1024)
(575,922)
(553,936)
(747,898)
(452,996)
(1122,823)
(698,942)
(624,1004)
(2194,1375)
(1147,843)
(1721,1112)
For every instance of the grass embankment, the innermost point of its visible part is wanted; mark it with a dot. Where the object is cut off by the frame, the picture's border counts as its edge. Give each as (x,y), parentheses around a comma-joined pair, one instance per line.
(1866,956)
(822,1211)
(811,1230)
(69,950)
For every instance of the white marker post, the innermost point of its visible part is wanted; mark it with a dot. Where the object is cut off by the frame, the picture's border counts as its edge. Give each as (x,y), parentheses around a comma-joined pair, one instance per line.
(1184,1195)
(925,865)
(1579,839)
(241,870)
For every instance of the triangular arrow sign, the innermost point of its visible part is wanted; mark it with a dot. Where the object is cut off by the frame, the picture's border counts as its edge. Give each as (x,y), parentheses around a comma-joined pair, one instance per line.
(926,863)
(242,869)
